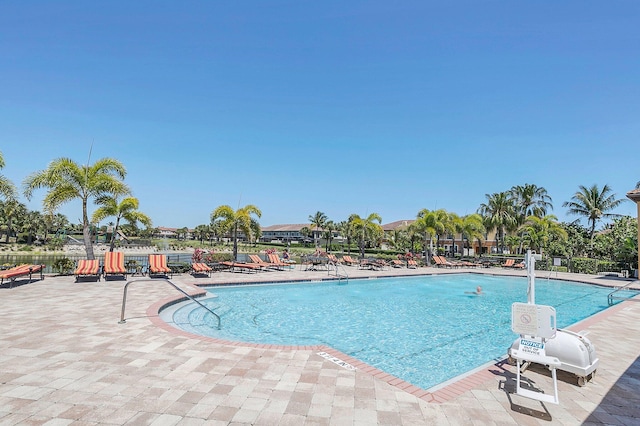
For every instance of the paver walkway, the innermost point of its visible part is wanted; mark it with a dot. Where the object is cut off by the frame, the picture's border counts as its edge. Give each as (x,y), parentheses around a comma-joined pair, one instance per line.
(64,359)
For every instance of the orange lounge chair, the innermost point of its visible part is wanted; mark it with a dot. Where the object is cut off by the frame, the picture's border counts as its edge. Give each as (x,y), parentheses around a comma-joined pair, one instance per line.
(348,260)
(87,268)
(508,263)
(158,265)
(232,265)
(397,263)
(20,271)
(258,261)
(412,264)
(275,260)
(201,269)
(114,264)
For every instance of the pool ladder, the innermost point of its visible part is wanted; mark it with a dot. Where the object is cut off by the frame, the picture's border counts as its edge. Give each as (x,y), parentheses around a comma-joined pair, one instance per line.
(613,297)
(335,267)
(126,287)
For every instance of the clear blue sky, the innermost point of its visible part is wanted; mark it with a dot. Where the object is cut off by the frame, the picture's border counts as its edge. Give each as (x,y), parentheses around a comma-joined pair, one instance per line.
(339,107)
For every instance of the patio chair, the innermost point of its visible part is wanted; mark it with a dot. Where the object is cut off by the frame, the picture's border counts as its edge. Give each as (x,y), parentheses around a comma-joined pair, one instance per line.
(348,260)
(397,263)
(20,271)
(87,269)
(275,260)
(200,268)
(158,265)
(508,263)
(114,264)
(249,267)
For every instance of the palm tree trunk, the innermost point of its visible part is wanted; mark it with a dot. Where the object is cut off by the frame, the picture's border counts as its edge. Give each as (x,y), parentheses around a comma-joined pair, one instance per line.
(113,235)
(86,233)
(235,242)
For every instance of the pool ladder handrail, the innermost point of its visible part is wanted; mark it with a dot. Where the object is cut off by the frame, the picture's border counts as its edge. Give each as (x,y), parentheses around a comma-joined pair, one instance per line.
(126,286)
(337,266)
(611,297)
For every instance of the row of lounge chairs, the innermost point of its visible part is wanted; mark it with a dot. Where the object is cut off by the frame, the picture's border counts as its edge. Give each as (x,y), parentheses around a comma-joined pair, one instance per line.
(114,266)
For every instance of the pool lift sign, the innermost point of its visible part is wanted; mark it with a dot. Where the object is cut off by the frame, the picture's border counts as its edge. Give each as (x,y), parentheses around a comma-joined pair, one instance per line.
(535,324)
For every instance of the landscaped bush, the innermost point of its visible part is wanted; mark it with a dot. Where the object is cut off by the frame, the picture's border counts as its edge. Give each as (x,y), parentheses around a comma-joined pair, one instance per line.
(63,266)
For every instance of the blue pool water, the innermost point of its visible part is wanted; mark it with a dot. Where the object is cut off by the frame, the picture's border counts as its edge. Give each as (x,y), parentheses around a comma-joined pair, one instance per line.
(425,330)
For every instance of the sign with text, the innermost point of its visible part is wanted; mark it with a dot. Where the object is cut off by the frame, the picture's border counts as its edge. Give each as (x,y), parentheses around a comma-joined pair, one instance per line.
(533,320)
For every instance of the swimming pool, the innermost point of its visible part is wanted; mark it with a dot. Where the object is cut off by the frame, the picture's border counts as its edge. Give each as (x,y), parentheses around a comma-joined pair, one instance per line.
(424,330)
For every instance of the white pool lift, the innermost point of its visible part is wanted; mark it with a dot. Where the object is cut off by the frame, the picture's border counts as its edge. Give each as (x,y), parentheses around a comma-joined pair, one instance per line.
(542,343)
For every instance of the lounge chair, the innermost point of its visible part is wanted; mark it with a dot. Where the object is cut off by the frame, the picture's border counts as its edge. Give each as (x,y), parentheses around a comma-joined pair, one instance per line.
(333,259)
(412,264)
(397,263)
(200,268)
(508,263)
(158,265)
(348,260)
(87,269)
(250,267)
(114,264)
(258,261)
(275,260)
(20,271)
(441,262)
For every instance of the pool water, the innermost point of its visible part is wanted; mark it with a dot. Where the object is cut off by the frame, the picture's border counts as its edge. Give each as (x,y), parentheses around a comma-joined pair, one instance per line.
(424,330)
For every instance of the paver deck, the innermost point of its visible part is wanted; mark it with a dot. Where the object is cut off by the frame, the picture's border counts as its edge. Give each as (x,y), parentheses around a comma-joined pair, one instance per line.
(65,360)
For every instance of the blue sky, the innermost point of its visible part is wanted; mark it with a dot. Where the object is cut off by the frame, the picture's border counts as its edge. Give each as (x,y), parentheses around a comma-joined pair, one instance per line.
(339,107)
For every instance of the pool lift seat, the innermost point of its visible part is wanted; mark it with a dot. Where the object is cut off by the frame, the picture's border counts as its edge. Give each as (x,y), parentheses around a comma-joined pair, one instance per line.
(555,348)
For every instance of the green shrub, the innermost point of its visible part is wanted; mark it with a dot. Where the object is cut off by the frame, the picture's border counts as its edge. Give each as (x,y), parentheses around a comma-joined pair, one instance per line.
(64,266)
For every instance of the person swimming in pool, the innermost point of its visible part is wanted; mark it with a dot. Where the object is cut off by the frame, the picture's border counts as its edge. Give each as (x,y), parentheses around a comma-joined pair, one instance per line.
(478,291)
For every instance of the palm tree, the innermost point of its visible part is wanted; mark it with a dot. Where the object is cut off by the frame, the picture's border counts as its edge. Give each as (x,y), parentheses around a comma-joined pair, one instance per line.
(498,213)
(472,228)
(329,227)
(593,203)
(367,229)
(126,209)
(33,222)
(428,225)
(12,213)
(7,188)
(318,222)
(530,200)
(538,231)
(66,181)
(234,221)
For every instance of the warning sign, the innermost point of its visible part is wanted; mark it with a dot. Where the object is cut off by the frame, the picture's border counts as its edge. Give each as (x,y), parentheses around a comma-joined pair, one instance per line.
(533,320)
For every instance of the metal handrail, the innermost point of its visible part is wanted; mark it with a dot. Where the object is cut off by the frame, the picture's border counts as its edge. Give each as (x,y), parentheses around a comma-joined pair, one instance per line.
(126,286)
(338,275)
(611,296)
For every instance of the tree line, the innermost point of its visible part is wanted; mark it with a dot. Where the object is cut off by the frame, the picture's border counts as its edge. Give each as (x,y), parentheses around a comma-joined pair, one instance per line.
(518,216)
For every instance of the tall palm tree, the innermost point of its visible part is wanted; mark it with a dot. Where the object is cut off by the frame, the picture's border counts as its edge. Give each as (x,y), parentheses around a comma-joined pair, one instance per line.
(7,188)
(593,203)
(126,209)
(530,200)
(235,221)
(367,229)
(318,222)
(66,181)
(498,213)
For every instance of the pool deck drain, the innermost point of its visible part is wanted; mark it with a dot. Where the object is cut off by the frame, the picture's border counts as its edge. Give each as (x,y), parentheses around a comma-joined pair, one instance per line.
(66,360)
